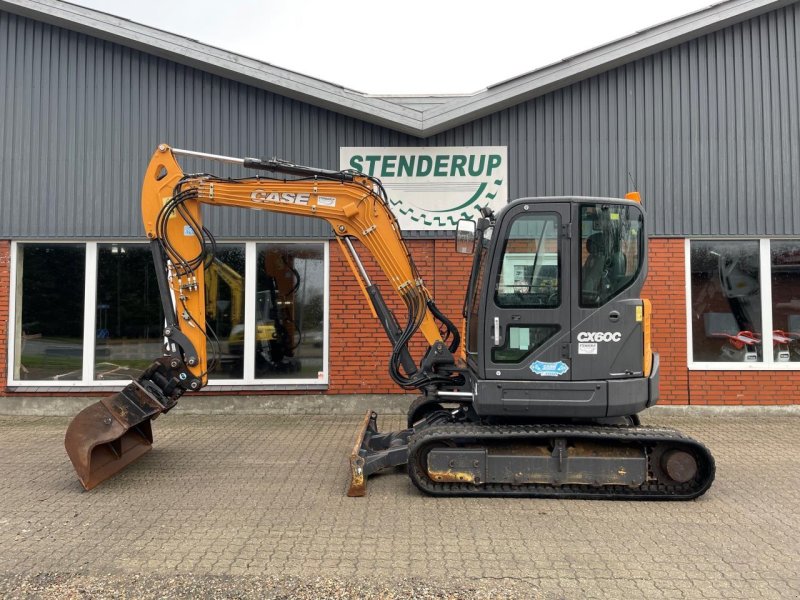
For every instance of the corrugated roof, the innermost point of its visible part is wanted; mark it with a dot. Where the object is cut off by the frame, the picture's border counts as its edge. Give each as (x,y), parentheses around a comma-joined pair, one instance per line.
(413,115)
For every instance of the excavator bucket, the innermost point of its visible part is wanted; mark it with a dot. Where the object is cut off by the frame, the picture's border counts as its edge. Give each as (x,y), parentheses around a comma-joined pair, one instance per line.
(108,435)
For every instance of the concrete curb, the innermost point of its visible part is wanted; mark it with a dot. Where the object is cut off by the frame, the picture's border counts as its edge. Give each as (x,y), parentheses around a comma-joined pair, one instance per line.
(319,404)
(311,404)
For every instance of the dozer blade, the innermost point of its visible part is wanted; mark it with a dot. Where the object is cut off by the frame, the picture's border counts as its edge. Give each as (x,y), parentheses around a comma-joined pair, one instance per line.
(375,451)
(108,435)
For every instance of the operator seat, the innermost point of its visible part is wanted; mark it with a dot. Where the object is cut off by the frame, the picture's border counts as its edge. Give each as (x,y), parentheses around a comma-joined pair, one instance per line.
(593,271)
(617,270)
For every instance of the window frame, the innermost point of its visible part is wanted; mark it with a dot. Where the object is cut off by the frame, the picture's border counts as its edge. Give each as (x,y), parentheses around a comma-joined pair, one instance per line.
(765,284)
(87,380)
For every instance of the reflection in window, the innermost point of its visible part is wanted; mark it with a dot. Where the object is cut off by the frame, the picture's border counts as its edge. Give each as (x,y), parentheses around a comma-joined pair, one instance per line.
(129,320)
(726,301)
(785,263)
(477,291)
(290,310)
(529,273)
(611,249)
(224,279)
(49,312)
(521,341)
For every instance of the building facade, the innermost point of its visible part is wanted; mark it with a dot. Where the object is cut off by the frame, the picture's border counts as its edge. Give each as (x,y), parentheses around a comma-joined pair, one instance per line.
(700,115)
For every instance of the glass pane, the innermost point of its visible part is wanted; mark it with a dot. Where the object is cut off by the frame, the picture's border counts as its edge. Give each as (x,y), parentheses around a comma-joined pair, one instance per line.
(521,340)
(290,308)
(529,274)
(611,250)
(129,320)
(49,315)
(475,300)
(726,301)
(224,280)
(785,260)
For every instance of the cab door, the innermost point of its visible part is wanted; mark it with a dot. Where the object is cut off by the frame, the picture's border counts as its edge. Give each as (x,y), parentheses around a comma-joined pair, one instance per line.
(526,329)
(609,271)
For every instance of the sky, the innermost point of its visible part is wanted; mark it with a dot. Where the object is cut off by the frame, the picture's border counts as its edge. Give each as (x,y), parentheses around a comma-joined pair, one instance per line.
(408,46)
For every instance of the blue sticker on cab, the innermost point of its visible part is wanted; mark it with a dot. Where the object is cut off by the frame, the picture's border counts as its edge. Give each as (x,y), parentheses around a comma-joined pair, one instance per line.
(550,369)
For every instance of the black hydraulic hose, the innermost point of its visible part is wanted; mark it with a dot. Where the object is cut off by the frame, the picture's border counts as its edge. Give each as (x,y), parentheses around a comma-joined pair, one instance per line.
(456,341)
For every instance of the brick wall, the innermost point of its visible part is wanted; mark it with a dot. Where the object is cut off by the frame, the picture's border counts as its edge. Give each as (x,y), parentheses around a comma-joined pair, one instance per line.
(5,288)
(665,288)
(359,351)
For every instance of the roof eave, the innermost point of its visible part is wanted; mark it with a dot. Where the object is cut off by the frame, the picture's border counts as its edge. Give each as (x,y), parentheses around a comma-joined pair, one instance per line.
(593,62)
(219,62)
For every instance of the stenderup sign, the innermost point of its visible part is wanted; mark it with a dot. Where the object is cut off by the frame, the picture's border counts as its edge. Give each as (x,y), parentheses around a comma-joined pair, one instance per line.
(432,188)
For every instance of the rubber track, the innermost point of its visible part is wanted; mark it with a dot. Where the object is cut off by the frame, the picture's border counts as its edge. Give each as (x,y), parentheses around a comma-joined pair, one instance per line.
(644,436)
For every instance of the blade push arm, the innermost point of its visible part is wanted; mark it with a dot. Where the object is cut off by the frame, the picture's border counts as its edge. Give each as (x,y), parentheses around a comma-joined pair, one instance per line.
(353,204)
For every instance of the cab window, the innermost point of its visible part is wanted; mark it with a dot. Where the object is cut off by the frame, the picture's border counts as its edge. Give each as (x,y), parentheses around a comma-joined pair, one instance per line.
(611,251)
(530,268)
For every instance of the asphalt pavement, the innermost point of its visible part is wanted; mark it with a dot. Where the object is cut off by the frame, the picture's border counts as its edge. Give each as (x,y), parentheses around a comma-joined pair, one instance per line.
(254,506)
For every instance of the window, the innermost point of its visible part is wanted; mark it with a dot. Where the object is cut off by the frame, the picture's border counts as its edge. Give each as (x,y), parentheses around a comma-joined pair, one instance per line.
(129,319)
(521,341)
(289,311)
(225,297)
(49,315)
(90,314)
(611,249)
(473,311)
(529,274)
(785,267)
(740,289)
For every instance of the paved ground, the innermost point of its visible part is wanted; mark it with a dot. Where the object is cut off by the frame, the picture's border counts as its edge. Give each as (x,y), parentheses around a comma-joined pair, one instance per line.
(254,506)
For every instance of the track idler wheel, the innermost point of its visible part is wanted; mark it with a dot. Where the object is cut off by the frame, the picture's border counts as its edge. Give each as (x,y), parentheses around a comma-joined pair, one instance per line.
(679,465)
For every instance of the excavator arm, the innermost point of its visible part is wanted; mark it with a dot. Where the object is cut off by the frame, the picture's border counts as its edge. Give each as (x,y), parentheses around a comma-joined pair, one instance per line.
(110,434)
(353,204)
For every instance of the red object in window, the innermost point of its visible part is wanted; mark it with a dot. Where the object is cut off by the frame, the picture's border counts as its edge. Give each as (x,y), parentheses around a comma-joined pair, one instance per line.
(741,339)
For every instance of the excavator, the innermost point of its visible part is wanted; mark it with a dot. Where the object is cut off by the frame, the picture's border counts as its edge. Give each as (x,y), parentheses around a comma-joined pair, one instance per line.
(542,400)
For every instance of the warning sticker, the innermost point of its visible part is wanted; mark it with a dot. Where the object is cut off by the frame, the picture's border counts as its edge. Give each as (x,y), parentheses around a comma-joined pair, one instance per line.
(587,348)
(326,201)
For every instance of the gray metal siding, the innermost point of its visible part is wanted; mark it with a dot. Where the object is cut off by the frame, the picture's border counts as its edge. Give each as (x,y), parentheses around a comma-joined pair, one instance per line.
(81,117)
(708,131)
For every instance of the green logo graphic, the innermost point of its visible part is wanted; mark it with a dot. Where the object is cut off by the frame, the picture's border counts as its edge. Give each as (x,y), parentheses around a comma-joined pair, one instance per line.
(432,188)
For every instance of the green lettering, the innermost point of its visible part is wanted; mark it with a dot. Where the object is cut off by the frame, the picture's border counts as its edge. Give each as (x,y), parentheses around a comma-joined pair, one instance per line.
(355,163)
(441,166)
(473,170)
(372,159)
(405,166)
(494,162)
(459,160)
(387,169)
(422,171)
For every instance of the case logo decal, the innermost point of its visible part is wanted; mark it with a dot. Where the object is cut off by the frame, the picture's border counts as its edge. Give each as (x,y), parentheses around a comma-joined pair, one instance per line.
(549,369)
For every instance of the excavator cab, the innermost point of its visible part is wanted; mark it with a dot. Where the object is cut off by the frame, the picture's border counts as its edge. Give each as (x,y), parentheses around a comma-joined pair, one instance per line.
(555,324)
